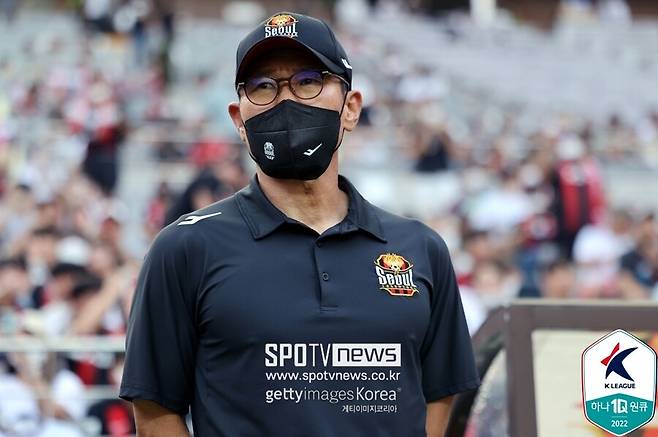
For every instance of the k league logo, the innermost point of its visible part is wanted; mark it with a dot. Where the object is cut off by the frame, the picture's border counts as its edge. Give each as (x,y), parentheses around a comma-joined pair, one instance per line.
(619,383)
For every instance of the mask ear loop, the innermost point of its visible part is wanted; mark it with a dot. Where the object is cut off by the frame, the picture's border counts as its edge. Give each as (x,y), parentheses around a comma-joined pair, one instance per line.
(340,114)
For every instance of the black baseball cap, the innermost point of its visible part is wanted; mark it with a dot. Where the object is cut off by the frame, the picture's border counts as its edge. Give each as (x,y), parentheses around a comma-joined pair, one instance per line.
(296,30)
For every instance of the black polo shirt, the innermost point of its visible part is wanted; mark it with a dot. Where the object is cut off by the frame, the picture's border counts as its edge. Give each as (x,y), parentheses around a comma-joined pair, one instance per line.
(266,328)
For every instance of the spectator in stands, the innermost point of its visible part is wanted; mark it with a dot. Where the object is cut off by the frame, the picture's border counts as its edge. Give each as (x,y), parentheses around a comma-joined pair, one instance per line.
(103,259)
(98,115)
(220,175)
(15,284)
(16,213)
(578,189)
(39,248)
(157,209)
(101,303)
(53,301)
(559,280)
(115,416)
(597,250)
(638,277)
(432,149)
(57,393)
(495,283)
(20,412)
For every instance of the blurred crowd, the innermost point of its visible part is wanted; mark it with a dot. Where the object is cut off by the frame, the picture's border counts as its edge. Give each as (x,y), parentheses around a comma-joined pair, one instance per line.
(111,96)
(529,215)
(64,266)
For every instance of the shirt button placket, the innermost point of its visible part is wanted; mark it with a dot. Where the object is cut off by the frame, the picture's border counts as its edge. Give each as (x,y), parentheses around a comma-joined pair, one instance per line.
(323,259)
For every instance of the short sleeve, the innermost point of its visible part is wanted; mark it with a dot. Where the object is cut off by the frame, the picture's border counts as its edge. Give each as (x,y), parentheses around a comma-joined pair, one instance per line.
(161,339)
(447,359)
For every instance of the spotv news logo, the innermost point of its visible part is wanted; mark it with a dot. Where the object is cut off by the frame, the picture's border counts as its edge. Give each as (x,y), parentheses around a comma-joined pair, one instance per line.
(619,383)
(334,354)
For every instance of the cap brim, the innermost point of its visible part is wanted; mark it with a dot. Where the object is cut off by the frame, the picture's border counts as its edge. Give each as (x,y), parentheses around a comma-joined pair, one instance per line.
(282,42)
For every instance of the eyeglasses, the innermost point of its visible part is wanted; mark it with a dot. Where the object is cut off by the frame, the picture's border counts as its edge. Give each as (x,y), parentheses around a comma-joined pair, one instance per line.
(305,84)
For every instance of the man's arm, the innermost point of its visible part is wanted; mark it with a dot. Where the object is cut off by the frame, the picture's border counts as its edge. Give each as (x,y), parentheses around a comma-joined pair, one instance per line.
(153,420)
(438,413)
(161,340)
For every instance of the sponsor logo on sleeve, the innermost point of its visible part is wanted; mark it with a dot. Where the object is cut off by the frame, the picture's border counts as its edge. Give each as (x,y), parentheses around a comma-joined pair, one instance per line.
(192,219)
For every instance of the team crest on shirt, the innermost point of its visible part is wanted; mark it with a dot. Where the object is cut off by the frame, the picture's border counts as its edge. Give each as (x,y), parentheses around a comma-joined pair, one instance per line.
(281,25)
(395,275)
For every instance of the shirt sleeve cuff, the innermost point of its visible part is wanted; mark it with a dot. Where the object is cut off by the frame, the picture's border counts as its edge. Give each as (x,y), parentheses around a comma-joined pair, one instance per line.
(130,392)
(440,393)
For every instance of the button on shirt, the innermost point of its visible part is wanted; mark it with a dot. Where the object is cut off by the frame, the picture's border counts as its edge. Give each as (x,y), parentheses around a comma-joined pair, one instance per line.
(265,328)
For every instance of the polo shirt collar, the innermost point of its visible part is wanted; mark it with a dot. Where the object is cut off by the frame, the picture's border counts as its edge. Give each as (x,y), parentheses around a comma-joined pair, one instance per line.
(263,218)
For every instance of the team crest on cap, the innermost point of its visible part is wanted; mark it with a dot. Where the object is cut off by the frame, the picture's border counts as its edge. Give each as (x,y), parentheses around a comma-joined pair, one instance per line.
(395,275)
(281,25)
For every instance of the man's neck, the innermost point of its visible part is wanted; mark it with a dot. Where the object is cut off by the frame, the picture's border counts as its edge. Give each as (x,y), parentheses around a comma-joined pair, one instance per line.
(319,203)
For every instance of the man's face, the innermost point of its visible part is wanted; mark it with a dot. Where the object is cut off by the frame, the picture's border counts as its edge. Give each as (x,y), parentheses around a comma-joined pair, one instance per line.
(282,63)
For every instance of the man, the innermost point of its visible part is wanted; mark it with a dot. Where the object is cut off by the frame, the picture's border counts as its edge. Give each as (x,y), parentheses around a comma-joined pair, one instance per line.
(295,307)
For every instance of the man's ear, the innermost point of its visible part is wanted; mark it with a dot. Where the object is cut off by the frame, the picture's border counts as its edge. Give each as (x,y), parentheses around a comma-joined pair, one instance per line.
(236,117)
(352,109)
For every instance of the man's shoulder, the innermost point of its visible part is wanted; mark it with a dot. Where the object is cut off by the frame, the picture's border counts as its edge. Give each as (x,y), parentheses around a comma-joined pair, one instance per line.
(192,228)
(409,227)
(222,211)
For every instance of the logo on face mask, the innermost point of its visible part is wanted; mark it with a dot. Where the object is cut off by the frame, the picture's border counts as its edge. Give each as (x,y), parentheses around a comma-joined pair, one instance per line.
(309,152)
(281,25)
(395,275)
(268,148)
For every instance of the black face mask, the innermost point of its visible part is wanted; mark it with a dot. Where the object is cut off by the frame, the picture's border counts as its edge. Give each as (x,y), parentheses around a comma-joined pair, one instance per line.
(293,140)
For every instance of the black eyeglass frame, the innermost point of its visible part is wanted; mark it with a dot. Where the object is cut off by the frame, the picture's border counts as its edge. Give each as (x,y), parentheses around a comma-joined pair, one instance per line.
(278,82)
